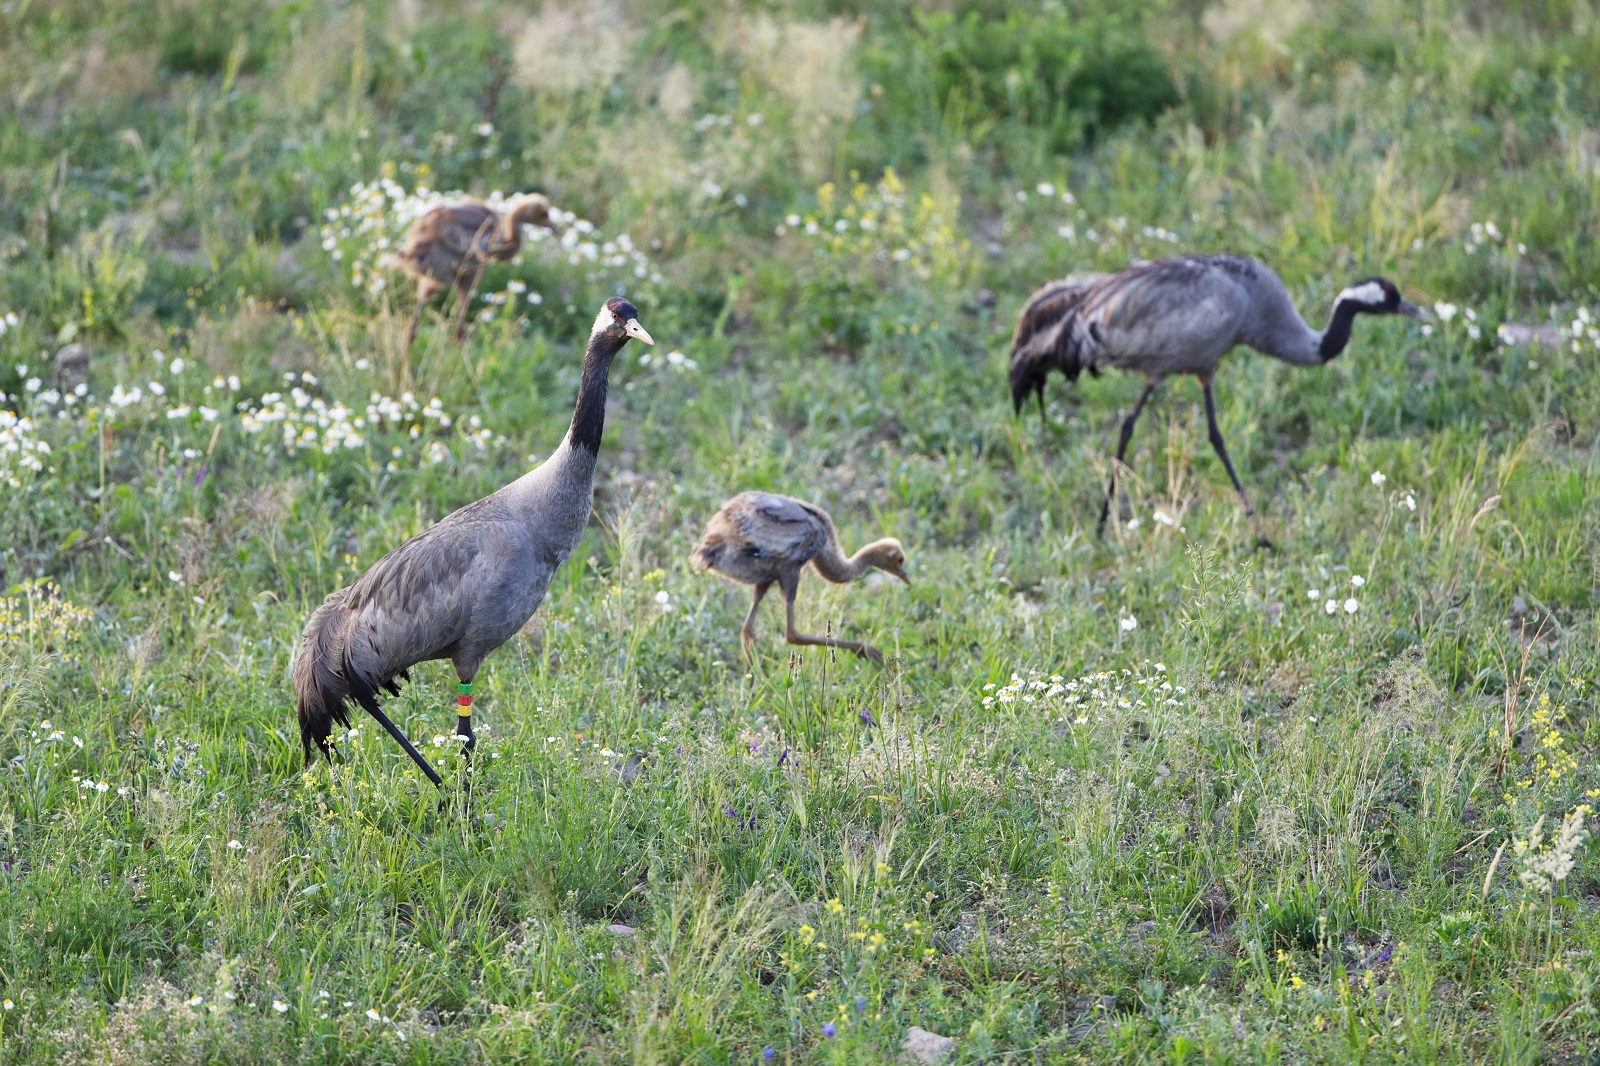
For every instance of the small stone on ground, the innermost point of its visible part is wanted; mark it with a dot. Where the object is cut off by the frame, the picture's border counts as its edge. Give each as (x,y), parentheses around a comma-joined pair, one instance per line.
(618,929)
(926,1047)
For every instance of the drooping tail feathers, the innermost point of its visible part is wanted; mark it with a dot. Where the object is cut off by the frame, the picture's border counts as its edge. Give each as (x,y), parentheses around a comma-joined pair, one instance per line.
(1046,337)
(320,683)
(708,552)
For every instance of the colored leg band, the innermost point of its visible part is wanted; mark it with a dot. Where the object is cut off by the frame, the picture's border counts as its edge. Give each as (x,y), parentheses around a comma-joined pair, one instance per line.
(465,709)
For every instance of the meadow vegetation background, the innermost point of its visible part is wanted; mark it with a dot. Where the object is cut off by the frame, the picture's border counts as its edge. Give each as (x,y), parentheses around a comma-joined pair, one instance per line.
(1156,796)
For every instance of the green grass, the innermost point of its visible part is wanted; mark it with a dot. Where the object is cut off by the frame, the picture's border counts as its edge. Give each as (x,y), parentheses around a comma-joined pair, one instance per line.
(1305,849)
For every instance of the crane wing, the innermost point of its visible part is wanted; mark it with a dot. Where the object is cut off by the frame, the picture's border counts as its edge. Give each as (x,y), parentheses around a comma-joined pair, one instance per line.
(1187,307)
(453,231)
(780,526)
(413,605)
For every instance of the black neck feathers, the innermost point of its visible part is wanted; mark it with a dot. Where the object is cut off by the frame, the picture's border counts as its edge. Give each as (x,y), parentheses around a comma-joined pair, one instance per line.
(589,416)
(1337,335)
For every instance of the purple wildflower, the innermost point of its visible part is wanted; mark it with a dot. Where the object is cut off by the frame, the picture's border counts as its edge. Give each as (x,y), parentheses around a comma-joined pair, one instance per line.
(867,719)
(861,1004)
(829,1031)
(769,1053)
(783,756)
(727,809)
(1388,950)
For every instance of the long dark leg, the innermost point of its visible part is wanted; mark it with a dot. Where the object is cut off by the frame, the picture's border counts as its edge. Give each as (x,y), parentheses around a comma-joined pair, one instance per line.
(1122,449)
(371,707)
(1222,449)
(747,632)
(464,720)
(791,585)
(1222,453)
(466,288)
(465,739)
(416,319)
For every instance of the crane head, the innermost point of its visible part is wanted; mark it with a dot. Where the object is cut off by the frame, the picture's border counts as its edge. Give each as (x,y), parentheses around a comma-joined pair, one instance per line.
(1378,296)
(889,556)
(620,319)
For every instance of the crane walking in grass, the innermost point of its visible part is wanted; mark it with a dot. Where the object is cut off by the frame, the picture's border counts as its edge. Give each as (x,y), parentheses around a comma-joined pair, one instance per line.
(759,538)
(1178,316)
(461,588)
(449,246)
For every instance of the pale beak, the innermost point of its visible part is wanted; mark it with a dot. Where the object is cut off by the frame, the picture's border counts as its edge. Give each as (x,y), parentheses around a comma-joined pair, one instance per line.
(636,331)
(901,574)
(1411,310)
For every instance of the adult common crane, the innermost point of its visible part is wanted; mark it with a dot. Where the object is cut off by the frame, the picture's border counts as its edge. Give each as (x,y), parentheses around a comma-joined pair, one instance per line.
(461,588)
(759,538)
(1177,316)
(449,246)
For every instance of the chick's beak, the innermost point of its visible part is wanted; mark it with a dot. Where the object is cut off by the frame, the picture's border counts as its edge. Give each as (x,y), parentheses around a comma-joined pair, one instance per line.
(1411,310)
(901,574)
(636,331)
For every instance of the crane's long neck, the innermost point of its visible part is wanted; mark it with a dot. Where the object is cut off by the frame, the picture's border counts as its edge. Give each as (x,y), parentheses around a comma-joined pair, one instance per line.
(510,234)
(834,565)
(589,416)
(1279,331)
(1332,340)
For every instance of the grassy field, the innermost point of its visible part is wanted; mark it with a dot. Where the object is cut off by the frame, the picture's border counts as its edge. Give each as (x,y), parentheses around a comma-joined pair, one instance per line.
(1152,796)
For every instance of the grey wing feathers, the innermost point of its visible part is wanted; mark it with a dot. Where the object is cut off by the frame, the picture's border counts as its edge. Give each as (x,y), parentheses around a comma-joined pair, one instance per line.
(781,526)
(412,605)
(441,242)
(1164,315)
(1048,337)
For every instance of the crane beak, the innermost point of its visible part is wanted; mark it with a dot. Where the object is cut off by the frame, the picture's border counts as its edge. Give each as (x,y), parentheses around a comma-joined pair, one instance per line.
(901,574)
(636,331)
(1411,310)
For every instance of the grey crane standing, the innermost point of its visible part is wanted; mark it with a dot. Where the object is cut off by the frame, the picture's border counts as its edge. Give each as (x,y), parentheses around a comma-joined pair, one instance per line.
(1178,316)
(449,246)
(464,586)
(759,538)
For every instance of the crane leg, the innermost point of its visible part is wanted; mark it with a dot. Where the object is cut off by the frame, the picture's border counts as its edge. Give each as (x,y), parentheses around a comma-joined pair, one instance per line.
(747,632)
(464,720)
(1122,449)
(424,294)
(1215,433)
(371,706)
(1221,448)
(466,288)
(791,585)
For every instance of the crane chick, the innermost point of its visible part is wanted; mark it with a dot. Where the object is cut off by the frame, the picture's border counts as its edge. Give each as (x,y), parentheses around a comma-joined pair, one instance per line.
(759,538)
(449,246)
(1178,316)
(462,587)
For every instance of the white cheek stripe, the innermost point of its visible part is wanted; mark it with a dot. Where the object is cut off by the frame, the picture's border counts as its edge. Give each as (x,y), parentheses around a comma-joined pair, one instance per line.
(1368,292)
(602,321)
